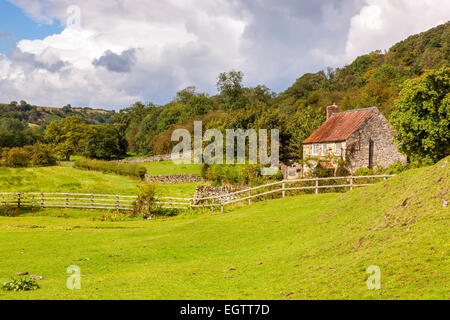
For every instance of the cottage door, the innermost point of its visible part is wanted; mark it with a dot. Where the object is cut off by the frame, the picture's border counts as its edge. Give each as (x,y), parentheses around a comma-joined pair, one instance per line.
(370,154)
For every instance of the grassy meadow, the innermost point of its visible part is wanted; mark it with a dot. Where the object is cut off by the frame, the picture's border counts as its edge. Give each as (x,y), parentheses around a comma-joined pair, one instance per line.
(68,179)
(302,247)
(169,167)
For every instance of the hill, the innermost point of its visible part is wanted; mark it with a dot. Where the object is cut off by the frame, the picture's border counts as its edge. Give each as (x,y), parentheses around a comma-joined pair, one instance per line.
(41,116)
(302,247)
(374,79)
(24,124)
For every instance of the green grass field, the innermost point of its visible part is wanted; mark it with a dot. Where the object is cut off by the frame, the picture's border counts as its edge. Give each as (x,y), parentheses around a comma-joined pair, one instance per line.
(168,167)
(302,247)
(68,179)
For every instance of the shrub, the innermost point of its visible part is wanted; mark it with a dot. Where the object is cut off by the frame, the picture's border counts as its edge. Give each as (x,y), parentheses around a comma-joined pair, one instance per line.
(42,156)
(364,172)
(8,211)
(17,157)
(145,203)
(121,168)
(342,172)
(21,284)
(39,155)
(4,153)
(323,172)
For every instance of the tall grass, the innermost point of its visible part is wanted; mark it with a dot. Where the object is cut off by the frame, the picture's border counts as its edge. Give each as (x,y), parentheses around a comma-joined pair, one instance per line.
(124,169)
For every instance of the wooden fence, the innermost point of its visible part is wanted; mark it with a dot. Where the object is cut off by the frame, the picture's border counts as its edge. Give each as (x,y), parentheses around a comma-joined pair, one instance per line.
(121,202)
(67,200)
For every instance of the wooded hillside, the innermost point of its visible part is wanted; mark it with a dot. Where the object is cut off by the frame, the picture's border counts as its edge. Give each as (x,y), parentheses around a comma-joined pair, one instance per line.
(374,79)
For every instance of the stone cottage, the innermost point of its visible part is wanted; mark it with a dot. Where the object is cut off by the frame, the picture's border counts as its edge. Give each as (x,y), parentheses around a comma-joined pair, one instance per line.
(363,138)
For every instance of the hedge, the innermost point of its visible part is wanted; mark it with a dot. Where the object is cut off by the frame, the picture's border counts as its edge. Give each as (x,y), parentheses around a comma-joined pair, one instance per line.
(124,169)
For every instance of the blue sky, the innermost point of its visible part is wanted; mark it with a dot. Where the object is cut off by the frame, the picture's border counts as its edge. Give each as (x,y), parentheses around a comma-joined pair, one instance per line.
(15,21)
(110,54)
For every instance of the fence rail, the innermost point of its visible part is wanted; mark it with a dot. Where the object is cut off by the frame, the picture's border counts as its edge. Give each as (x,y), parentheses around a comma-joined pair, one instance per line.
(125,202)
(67,200)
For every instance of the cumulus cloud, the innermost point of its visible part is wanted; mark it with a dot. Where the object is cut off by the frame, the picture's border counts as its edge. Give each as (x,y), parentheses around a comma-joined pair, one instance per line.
(116,62)
(129,50)
(46,60)
(382,23)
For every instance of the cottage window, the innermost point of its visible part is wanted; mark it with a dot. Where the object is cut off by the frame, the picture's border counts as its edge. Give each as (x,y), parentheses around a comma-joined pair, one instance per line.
(324,150)
(315,149)
(338,150)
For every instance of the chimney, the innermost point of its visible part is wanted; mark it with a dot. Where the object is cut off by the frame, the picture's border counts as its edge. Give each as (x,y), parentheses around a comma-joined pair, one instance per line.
(332,110)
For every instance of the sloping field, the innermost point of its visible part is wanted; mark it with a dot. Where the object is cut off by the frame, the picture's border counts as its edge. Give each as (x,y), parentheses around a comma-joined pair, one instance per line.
(303,247)
(72,180)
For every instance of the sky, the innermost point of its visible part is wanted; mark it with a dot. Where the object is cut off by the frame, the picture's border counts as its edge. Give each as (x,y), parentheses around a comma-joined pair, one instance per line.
(110,54)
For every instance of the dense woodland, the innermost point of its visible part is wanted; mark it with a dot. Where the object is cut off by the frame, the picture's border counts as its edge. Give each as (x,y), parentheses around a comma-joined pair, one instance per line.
(374,79)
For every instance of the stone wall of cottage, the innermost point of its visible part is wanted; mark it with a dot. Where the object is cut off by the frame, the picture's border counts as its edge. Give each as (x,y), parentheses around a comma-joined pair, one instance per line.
(330,147)
(385,152)
(330,151)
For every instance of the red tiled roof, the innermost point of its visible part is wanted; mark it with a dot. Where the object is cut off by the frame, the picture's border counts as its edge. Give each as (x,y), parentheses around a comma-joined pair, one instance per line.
(340,126)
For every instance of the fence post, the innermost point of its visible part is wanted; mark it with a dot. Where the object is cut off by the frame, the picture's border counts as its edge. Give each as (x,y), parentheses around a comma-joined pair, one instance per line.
(284,192)
(67,200)
(42,200)
(170,202)
(190,204)
(249,197)
(317,185)
(92,200)
(221,205)
(18,200)
(117,202)
(351,183)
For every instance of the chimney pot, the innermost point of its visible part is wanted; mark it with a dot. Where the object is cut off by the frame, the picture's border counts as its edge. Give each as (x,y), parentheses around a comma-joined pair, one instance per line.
(332,110)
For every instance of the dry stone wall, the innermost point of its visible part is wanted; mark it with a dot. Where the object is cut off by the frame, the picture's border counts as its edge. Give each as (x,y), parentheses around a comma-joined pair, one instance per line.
(174,178)
(208,191)
(157,158)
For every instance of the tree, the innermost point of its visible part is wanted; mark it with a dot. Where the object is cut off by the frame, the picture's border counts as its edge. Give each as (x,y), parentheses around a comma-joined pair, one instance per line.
(67,109)
(105,142)
(16,133)
(66,135)
(229,84)
(422,116)
(184,95)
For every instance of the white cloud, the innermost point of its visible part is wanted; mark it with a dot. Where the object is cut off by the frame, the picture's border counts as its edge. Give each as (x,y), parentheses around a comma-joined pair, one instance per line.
(382,23)
(168,42)
(129,50)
